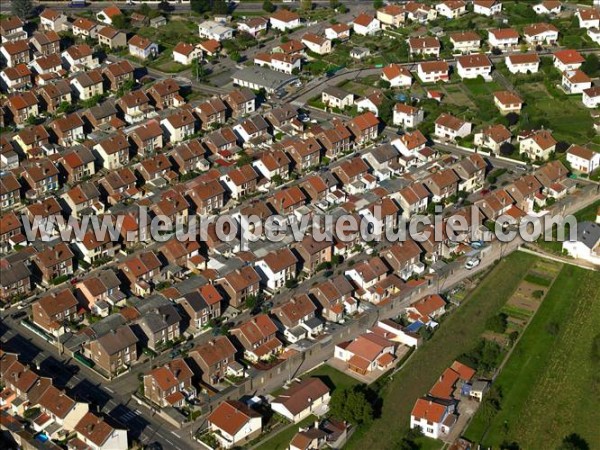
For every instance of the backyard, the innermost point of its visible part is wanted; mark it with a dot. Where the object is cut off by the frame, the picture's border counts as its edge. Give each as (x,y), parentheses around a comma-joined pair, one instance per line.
(550,384)
(459,332)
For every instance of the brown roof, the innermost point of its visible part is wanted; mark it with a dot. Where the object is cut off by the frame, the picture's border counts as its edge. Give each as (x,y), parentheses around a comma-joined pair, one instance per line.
(294,310)
(243,175)
(214,351)
(498,133)
(231,416)
(181,118)
(508,98)
(57,302)
(505,33)
(464,36)
(449,121)
(424,42)
(279,260)
(443,178)
(52,256)
(165,87)
(413,139)
(285,15)
(524,58)
(364,19)
(569,56)
(539,28)
(257,328)
(84,24)
(50,14)
(139,42)
(301,395)
(16,47)
(477,60)
(184,48)
(94,429)
(395,70)
(141,264)
(242,278)
(581,152)
(148,130)
(434,66)
(56,402)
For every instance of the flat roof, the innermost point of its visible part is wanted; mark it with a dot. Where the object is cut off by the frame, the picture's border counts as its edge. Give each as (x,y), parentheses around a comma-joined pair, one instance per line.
(261,76)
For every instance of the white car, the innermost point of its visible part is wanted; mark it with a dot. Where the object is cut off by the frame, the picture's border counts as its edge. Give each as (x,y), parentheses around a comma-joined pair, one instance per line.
(472,263)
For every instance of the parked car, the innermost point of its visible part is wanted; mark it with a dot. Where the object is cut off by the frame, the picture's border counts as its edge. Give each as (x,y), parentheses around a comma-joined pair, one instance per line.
(472,263)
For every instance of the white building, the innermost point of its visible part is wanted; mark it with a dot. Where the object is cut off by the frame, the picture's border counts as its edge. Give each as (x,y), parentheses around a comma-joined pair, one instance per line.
(523,63)
(487,7)
(587,244)
(276,268)
(229,432)
(541,33)
(185,53)
(537,145)
(591,97)
(214,30)
(588,17)
(317,44)
(451,9)
(397,75)
(433,71)
(301,399)
(465,41)
(583,159)
(142,48)
(366,25)
(434,420)
(284,19)
(548,7)
(407,116)
(568,60)
(473,66)
(503,38)
(575,82)
(450,127)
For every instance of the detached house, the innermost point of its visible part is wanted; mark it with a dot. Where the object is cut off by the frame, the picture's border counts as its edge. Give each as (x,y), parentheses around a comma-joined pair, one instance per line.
(537,144)
(258,338)
(215,359)
(68,129)
(435,420)
(503,38)
(298,318)
(113,151)
(169,385)
(568,60)
(301,399)
(135,106)
(473,66)
(365,25)
(334,298)
(16,52)
(88,84)
(241,102)
(52,311)
(317,44)
(407,116)
(12,29)
(391,16)
(523,63)
(54,94)
(427,45)
(112,38)
(541,33)
(142,48)
(85,28)
(508,102)
(451,8)
(94,432)
(15,79)
(22,106)
(212,113)
(46,43)
(277,268)
(241,284)
(284,20)
(575,81)
(583,159)
(179,125)
(118,74)
(487,7)
(471,171)
(404,258)
(442,184)
(114,351)
(364,127)
(79,57)
(493,137)
(588,17)
(53,20)
(397,75)
(233,423)
(433,71)
(465,41)
(450,127)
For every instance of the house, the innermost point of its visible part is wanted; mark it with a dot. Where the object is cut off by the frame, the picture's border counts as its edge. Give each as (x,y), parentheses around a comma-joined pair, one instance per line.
(113,151)
(433,71)
(471,171)
(15,79)
(46,43)
(549,7)
(241,102)
(424,46)
(317,44)
(189,157)
(41,176)
(240,284)
(397,76)
(586,246)
(368,273)
(10,191)
(16,279)
(279,62)
(102,287)
(451,9)
(102,116)
(159,323)
(380,216)
(50,66)
(96,434)
(22,106)
(165,94)
(537,144)
(240,181)
(210,47)
(148,137)
(420,12)
(12,29)
(53,20)
(254,26)
(367,353)
(435,420)
(426,309)
(370,102)
(114,351)
(588,17)
(339,31)
(213,30)
(78,163)
(493,137)
(111,38)
(15,52)
(302,399)
(487,7)
(313,253)
(591,97)
(391,16)
(364,127)
(523,63)
(79,57)
(508,102)
(407,116)
(524,191)
(68,129)
(503,38)
(201,305)
(179,125)
(31,138)
(541,33)
(141,270)
(583,159)
(233,423)
(85,28)
(413,199)
(273,164)
(366,25)
(88,84)
(142,48)
(53,312)
(575,81)
(568,60)
(351,170)
(118,74)
(170,384)
(135,106)
(284,20)
(10,227)
(277,268)
(184,53)
(336,140)
(465,41)
(334,298)
(154,168)
(442,185)
(495,204)
(450,127)
(257,337)
(54,94)
(298,318)
(254,128)
(403,258)
(211,112)
(282,118)
(214,358)
(157,22)
(474,66)
(384,161)
(108,14)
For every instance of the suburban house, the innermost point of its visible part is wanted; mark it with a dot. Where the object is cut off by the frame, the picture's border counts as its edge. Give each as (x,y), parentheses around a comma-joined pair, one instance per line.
(591,97)
(465,41)
(316,43)
(302,399)
(112,38)
(568,60)
(549,7)
(88,84)
(142,48)
(53,20)
(368,273)
(451,9)
(141,270)
(115,350)
(367,353)
(339,31)
(442,184)
(407,116)
(284,20)
(364,127)
(541,33)
(253,25)
(426,310)
(233,423)
(298,318)
(334,298)
(241,102)
(404,258)
(54,311)
(313,253)
(391,16)
(277,268)
(473,66)
(587,244)
(487,7)
(503,38)
(433,71)
(96,434)
(97,292)
(179,125)
(185,53)
(471,171)
(588,17)
(435,420)
(413,199)
(575,81)
(452,128)
(165,94)
(210,29)
(258,338)
(241,284)
(214,359)
(169,385)
(508,102)
(493,137)
(583,159)
(538,145)
(397,76)
(426,46)
(53,262)
(523,63)
(118,74)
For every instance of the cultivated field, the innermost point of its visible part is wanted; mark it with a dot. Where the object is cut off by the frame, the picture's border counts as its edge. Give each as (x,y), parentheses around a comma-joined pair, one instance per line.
(459,332)
(550,385)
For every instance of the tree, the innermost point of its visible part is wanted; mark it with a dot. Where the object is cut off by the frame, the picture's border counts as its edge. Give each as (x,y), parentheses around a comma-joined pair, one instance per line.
(22,8)
(512,119)
(507,149)
(235,56)
(145,9)
(268,6)
(573,442)
(352,405)
(120,22)
(220,7)
(165,6)
(562,146)
(377,4)
(306,5)
(591,66)
(200,6)
(252,302)
(333,4)
(497,323)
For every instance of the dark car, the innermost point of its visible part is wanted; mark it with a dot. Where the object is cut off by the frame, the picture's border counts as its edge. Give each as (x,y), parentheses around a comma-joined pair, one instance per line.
(18,314)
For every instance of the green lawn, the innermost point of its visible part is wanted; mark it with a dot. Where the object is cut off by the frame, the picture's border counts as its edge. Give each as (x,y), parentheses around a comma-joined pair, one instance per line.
(332,377)
(550,385)
(282,440)
(459,332)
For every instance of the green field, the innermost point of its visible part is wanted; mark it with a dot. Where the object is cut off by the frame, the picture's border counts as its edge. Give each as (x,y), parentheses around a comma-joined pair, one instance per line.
(459,332)
(550,385)
(282,440)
